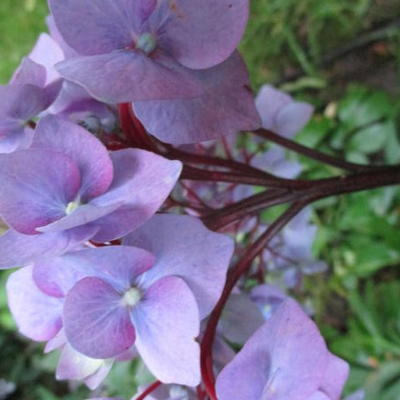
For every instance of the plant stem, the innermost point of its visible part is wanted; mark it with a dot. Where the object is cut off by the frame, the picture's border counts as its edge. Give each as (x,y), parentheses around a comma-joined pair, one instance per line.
(310,153)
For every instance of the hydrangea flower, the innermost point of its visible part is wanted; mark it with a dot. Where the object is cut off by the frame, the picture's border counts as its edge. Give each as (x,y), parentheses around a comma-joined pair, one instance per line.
(285,359)
(280,113)
(154,301)
(68,182)
(137,50)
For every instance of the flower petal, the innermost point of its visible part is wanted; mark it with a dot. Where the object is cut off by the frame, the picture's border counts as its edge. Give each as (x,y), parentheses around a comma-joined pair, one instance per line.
(17,249)
(184,247)
(36,187)
(226,107)
(167,323)
(37,315)
(142,182)
(89,154)
(202,33)
(96,323)
(117,265)
(126,75)
(95,26)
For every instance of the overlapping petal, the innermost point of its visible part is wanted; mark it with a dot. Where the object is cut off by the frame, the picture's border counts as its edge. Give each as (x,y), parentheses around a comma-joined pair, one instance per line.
(88,153)
(184,247)
(36,187)
(126,75)
(142,181)
(225,107)
(293,362)
(37,315)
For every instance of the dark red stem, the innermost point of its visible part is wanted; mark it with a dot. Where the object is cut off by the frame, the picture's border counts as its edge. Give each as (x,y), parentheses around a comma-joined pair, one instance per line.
(149,390)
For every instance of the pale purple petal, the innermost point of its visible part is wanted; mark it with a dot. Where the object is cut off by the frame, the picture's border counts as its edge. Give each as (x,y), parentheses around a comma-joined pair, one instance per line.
(95,26)
(142,181)
(167,323)
(297,360)
(318,396)
(48,53)
(118,265)
(17,249)
(22,102)
(280,113)
(74,365)
(83,215)
(36,187)
(89,154)
(335,377)
(293,118)
(184,247)
(29,72)
(37,315)
(202,33)
(127,75)
(96,323)
(226,107)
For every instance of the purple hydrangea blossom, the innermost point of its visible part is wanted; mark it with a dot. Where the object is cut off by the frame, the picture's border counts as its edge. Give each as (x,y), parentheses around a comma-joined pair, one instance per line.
(68,182)
(285,359)
(126,293)
(280,113)
(138,50)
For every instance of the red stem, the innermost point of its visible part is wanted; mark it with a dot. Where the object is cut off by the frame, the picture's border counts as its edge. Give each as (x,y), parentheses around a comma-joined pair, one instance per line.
(149,390)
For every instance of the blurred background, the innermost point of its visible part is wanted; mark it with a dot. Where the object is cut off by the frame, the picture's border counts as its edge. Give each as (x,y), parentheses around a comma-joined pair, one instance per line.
(344,58)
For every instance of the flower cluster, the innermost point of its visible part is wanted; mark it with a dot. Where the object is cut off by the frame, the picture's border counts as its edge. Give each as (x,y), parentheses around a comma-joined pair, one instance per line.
(88,167)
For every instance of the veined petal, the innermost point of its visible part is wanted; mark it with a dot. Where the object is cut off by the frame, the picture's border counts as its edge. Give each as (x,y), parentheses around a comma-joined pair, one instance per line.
(95,320)
(167,322)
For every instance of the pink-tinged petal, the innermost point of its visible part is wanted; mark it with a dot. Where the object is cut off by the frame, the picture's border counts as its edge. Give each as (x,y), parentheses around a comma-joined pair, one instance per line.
(335,377)
(202,33)
(36,187)
(48,53)
(293,118)
(95,26)
(167,322)
(142,182)
(240,319)
(30,72)
(37,315)
(17,249)
(95,320)
(225,108)
(127,75)
(118,265)
(89,154)
(296,357)
(184,247)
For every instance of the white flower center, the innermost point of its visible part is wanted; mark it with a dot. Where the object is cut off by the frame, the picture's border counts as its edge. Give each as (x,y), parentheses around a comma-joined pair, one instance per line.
(131,297)
(146,42)
(71,207)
